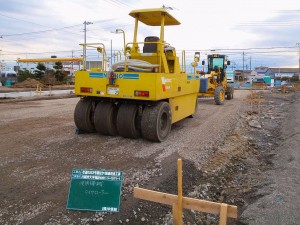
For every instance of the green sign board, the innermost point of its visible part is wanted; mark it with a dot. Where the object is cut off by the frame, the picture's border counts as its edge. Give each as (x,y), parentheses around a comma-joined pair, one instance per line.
(95,190)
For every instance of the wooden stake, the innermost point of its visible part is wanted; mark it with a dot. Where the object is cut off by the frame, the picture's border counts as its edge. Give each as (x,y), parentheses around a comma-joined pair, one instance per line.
(175,214)
(50,90)
(254,98)
(179,169)
(37,89)
(223,214)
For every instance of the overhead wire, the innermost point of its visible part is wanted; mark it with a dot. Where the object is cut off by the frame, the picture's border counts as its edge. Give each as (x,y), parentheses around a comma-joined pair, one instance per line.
(50,30)
(117,3)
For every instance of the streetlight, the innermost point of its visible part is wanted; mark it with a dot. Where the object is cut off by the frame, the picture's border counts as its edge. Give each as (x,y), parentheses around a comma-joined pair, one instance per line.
(118,31)
(84,47)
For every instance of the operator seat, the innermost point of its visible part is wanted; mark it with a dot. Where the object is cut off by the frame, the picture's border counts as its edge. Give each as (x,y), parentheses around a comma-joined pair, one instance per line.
(150,47)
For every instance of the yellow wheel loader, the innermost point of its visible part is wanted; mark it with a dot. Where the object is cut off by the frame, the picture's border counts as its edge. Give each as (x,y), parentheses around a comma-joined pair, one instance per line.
(214,83)
(142,95)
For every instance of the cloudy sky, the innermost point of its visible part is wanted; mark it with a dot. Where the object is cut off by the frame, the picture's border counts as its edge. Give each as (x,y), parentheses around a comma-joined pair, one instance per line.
(266,31)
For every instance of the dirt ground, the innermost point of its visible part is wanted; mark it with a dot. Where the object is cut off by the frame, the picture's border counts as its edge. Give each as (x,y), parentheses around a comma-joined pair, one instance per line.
(229,155)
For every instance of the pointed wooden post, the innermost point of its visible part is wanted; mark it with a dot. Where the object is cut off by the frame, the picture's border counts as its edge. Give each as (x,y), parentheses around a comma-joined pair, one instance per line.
(177,207)
(223,214)
(175,214)
(179,169)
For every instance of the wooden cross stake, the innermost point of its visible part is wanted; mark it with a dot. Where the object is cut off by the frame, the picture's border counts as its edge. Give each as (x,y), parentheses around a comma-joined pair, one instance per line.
(178,202)
(254,98)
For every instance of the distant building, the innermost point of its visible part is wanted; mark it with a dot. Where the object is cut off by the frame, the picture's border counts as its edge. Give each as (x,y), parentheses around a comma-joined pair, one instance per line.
(261,70)
(244,75)
(282,72)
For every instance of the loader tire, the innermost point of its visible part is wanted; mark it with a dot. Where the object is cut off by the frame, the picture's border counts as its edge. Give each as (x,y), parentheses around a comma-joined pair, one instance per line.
(156,122)
(105,118)
(128,121)
(83,115)
(219,95)
(229,94)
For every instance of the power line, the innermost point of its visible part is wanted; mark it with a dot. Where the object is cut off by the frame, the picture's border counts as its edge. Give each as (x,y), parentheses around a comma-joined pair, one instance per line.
(22,20)
(37,32)
(117,3)
(50,30)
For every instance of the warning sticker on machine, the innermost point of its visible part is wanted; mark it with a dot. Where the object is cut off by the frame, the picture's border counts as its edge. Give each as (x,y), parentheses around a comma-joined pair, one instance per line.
(163,82)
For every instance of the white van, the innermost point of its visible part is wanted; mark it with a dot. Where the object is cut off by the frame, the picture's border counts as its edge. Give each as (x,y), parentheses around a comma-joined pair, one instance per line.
(8,77)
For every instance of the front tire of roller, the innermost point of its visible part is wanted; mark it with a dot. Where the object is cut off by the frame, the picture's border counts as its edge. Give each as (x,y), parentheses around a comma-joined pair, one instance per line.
(105,118)
(156,122)
(127,121)
(83,115)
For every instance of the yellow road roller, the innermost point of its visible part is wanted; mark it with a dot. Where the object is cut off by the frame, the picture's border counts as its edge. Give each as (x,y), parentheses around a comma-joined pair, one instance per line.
(142,95)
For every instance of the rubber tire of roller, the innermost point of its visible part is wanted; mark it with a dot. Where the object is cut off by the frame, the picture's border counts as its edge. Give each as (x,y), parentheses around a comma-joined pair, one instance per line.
(83,116)
(105,118)
(127,121)
(156,122)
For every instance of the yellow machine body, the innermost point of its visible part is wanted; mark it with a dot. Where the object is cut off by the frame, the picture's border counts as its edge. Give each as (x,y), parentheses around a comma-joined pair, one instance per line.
(147,77)
(161,86)
(214,83)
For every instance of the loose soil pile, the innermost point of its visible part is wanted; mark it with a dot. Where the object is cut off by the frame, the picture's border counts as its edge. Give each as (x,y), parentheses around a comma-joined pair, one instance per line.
(29,83)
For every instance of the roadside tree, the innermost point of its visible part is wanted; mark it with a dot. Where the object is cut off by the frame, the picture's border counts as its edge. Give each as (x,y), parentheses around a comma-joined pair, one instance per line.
(59,75)
(25,74)
(40,70)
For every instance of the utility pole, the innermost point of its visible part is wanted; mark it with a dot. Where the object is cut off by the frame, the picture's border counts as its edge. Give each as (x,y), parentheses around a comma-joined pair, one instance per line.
(250,62)
(0,60)
(72,61)
(243,61)
(111,53)
(84,46)
(299,57)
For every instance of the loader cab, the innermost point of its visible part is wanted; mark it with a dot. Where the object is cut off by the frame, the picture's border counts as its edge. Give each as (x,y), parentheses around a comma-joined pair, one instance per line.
(216,62)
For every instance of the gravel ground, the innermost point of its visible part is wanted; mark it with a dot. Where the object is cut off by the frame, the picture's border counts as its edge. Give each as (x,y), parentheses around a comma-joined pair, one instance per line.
(280,199)
(39,148)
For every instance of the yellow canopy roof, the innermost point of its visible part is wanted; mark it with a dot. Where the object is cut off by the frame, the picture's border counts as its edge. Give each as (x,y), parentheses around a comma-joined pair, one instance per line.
(50,60)
(152,17)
